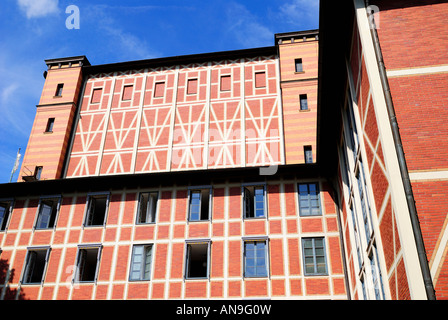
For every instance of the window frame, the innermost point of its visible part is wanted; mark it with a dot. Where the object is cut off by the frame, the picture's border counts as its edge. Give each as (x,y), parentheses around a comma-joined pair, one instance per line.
(324,248)
(93,95)
(4,224)
(156,85)
(26,265)
(188,244)
(244,191)
(264,240)
(221,78)
(58,201)
(301,213)
(143,263)
(50,125)
(123,98)
(59,90)
(88,208)
(301,65)
(308,154)
(76,272)
(139,207)
(265,80)
(303,102)
(195,189)
(188,85)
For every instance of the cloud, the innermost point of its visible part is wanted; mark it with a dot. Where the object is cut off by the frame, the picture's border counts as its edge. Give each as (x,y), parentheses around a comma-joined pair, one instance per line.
(301,12)
(38,8)
(246,28)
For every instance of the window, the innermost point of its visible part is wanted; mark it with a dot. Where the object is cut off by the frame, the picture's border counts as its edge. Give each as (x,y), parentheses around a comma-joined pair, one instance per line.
(303,102)
(87,264)
(141,262)
(96,210)
(38,172)
(159,89)
(59,88)
(35,265)
(50,124)
(308,152)
(255,258)
(192,86)
(200,204)
(260,79)
(127,93)
(96,95)
(147,207)
(47,212)
(225,83)
(314,256)
(309,203)
(197,260)
(254,201)
(298,65)
(5,211)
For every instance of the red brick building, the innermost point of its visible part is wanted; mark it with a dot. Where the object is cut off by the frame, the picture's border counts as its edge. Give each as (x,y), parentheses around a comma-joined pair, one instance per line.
(274,172)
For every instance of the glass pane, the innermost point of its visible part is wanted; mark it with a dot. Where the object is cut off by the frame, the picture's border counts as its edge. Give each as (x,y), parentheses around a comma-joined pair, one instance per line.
(303,189)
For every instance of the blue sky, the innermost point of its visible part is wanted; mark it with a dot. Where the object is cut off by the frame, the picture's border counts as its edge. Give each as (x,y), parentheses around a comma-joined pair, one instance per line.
(114,31)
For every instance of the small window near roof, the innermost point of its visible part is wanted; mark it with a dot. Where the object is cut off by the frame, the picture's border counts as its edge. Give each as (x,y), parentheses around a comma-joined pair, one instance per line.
(48,210)
(96,95)
(192,86)
(298,65)
(225,83)
(147,207)
(200,204)
(50,124)
(303,102)
(254,201)
(159,89)
(59,88)
(127,93)
(260,79)
(96,210)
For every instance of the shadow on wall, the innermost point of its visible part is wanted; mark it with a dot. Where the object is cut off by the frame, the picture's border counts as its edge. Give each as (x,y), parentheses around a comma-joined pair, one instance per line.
(10,294)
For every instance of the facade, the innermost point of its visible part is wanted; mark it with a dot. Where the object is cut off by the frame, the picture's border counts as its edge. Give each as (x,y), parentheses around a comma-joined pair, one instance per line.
(274,172)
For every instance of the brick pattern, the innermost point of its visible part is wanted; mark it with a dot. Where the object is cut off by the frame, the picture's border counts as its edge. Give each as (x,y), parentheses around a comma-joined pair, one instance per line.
(283,227)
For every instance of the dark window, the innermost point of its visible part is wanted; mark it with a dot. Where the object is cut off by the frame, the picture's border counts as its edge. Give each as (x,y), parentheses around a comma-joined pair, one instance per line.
(298,65)
(147,207)
(308,151)
(5,211)
(96,210)
(38,172)
(254,201)
(141,262)
(48,210)
(36,261)
(255,258)
(314,256)
(309,203)
(50,124)
(200,204)
(87,264)
(192,86)
(303,102)
(59,88)
(197,263)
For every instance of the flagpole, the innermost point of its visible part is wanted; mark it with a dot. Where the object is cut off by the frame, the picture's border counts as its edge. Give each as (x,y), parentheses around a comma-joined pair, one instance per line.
(16,165)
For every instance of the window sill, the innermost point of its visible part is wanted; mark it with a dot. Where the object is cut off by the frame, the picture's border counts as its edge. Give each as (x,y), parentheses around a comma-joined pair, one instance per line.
(56,97)
(47,132)
(299,72)
(305,110)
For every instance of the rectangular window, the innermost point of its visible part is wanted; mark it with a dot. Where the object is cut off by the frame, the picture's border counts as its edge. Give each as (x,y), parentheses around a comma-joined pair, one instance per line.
(96,95)
(87,264)
(225,83)
(308,151)
(260,79)
(200,204)
(35,265)
(96,210)
(47,213)
(314,256)
(192,86)
(127,93)
(298,65)
(141,262)
(50,124)
(254,201)
(59,88)
(309,203)
(255,258)
(147,207)
(197,260)
(303,102)
(5,211)
(159,89)
(38,172)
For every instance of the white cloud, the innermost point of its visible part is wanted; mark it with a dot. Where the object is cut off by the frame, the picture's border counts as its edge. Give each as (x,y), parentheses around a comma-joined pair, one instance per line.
(246,28)
(301,12)
(38,8)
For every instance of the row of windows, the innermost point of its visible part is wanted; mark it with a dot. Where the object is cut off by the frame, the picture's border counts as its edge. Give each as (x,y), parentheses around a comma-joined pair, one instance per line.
(200,206)
(197,260)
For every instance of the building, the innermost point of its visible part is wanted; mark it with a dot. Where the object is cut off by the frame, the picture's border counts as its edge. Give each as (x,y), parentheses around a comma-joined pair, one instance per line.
(274,172)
